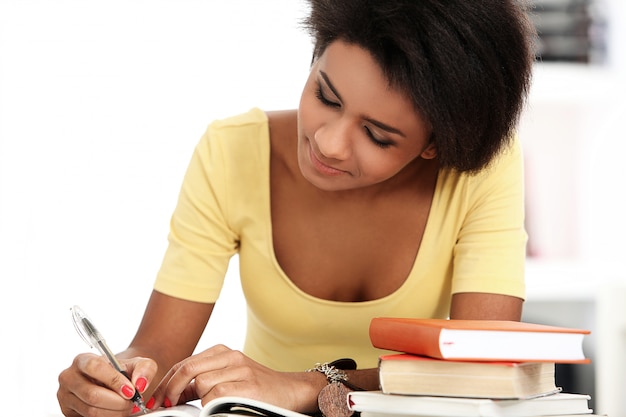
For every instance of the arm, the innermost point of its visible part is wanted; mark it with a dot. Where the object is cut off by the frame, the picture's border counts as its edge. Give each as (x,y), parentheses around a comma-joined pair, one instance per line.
(168,333)
(220,371)
(483,306)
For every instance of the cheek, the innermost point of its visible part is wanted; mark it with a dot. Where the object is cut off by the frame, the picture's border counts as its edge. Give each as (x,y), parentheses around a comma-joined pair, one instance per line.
(382,166)
(377,167)
(308,115)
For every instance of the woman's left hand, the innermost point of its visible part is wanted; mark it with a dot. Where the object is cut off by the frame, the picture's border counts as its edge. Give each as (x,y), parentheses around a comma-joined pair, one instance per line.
(220,371)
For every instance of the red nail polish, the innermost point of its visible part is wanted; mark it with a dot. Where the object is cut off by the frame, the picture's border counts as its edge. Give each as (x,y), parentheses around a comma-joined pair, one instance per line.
(128,391)
(135,410)
(150,403)
(141,384)
(167,403)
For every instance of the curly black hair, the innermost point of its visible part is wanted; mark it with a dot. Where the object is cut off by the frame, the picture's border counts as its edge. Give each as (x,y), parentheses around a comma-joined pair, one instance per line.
(465,64)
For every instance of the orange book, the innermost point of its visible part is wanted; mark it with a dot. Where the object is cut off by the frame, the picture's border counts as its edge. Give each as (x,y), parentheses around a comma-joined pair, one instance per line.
(479,340)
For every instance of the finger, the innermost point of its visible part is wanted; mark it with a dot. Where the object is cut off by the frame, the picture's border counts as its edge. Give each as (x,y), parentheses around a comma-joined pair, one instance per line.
(83,409)
(104,383)
(179,379)
(94,398)
(188,394)
(216,384)
(175,383)
(227,367)
(142,372)
(240,388)
(159,393)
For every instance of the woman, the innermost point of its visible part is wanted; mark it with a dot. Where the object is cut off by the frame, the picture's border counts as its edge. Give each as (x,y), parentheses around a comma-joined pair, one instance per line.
(395,189)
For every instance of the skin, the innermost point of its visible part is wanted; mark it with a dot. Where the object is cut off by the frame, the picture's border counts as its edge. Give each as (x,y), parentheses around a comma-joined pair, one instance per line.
(355,147)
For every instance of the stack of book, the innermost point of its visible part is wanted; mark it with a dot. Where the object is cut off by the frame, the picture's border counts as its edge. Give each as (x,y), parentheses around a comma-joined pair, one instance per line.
(471,368)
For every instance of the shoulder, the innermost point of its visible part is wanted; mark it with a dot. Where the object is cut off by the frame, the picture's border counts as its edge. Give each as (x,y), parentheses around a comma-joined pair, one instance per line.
(251,117)
(251,120)
(506,167)
(231,146)
(254,124)
(499,187)
(230,137)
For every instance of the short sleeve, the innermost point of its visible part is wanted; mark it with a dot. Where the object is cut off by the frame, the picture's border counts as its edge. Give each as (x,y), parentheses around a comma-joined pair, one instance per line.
(490,252)
(201,242)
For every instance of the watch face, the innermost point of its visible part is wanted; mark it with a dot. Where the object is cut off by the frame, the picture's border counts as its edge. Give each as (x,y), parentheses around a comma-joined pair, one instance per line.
(333,402)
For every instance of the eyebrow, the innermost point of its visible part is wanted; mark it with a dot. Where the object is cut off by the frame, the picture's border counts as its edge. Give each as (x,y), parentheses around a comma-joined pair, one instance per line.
(375,122)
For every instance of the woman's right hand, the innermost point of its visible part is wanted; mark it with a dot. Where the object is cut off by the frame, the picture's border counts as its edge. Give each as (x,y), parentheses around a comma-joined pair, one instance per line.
(92,387)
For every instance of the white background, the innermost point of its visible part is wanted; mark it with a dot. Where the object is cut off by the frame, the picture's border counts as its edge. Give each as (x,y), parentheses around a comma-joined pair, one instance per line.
(101,104)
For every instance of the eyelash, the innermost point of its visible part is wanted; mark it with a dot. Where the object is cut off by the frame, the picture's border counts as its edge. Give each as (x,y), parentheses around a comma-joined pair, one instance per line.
(320,96)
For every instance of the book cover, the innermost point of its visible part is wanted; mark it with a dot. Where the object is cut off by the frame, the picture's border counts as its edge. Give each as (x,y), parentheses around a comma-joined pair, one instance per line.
(414,405)
(479,340)
(421,375)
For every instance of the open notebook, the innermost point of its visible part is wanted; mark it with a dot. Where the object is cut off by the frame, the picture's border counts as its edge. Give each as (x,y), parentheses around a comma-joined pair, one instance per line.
(227,406)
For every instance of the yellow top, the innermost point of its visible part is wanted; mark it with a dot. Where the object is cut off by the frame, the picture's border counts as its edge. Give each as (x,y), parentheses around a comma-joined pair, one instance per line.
(474,241)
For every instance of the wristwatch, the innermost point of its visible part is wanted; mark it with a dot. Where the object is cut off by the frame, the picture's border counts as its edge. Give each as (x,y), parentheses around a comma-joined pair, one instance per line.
(332,399)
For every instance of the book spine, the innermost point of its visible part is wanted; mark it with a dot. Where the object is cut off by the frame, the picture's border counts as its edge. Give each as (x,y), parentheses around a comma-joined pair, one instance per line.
(405,337)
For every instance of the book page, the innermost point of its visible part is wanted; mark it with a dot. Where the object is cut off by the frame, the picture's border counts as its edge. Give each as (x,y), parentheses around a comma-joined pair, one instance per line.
(238,406)
(183,410)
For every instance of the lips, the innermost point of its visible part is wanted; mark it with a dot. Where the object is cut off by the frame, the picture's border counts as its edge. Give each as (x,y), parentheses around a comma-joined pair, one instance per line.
(321,167)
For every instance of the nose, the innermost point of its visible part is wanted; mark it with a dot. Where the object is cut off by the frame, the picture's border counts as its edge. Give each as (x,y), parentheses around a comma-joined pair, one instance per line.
(333,140)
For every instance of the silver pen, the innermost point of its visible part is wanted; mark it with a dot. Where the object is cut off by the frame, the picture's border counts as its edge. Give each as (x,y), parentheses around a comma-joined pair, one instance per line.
(85,328)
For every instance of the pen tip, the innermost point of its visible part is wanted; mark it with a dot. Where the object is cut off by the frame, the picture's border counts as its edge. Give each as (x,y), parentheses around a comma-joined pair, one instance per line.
(142,407)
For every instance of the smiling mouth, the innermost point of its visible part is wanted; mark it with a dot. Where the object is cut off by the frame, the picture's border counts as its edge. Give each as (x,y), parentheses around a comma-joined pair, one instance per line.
(322,167)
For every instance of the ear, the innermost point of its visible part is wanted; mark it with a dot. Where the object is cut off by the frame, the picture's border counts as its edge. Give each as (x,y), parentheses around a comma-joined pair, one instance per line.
(430,152)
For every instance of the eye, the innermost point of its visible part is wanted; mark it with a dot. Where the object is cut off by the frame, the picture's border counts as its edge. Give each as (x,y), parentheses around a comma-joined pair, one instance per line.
(384,144)
(322,98)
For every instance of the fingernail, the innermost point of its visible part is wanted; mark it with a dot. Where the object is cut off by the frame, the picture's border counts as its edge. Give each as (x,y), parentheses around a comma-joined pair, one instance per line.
(167,403)
(135,409)
(141,384)
(150,403)
(128,391)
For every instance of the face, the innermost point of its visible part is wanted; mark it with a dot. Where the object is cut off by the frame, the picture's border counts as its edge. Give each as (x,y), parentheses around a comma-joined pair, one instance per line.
(354,130)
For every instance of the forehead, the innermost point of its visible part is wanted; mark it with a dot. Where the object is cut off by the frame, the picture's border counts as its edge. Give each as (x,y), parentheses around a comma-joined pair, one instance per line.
(363,86)
(341,54)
